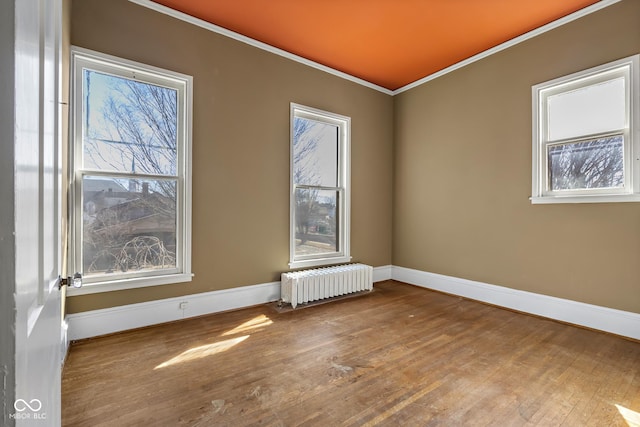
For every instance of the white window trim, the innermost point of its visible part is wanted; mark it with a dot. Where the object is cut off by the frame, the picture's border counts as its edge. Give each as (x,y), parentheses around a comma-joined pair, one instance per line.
(85,58)
(630,68)
(344,206)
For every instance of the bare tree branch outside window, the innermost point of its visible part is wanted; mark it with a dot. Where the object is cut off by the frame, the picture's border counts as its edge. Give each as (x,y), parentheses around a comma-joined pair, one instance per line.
(598,163)
(130,129)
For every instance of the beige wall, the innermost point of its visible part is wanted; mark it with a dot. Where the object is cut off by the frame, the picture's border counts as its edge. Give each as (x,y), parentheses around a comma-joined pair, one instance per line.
(241,146)
(463,175)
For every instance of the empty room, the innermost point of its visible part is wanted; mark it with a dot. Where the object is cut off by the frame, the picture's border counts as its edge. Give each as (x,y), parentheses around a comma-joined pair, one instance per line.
(238,213)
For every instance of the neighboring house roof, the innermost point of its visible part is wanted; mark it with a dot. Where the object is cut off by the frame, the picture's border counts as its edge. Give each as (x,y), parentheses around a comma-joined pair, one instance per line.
(102,184)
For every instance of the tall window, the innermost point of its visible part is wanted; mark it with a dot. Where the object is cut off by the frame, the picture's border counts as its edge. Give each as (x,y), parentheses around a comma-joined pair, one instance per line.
(319,187)
(130,157)
(585,143)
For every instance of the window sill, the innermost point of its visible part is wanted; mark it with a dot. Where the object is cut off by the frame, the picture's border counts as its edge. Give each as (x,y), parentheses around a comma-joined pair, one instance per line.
(318,262)
(600,198)
(121,284)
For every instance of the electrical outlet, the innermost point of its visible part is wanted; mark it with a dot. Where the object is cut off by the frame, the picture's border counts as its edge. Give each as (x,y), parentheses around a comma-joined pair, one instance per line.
(183,305)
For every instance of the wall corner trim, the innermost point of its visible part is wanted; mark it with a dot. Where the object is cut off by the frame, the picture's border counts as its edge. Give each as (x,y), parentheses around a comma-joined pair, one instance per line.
(94,323)
(605,319)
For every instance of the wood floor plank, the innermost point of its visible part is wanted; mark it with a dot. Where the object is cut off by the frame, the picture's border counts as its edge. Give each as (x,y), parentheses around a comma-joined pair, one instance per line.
(401,355)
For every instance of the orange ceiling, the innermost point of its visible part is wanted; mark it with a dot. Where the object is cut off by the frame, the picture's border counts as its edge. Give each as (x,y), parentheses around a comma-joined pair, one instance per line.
(390,43)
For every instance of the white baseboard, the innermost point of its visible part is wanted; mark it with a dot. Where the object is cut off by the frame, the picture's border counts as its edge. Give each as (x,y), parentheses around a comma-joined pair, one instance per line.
(100,322)
(383,273)
(618,322)
(109,320)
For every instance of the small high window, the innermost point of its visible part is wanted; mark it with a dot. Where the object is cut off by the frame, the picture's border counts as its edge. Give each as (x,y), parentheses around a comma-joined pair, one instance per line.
(585,142)
(319,187)
(130,158)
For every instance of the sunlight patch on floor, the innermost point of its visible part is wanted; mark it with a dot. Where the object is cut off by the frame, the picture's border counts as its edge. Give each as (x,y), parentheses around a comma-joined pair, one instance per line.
(255,323)
(203,351)
(631,417)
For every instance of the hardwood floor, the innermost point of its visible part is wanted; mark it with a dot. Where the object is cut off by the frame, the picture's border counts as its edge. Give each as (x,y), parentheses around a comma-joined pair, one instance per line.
(400,356)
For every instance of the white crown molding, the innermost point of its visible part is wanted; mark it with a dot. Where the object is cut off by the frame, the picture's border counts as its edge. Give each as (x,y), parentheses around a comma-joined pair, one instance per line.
(109,320)
(255,43)
(260,45)
(617,322)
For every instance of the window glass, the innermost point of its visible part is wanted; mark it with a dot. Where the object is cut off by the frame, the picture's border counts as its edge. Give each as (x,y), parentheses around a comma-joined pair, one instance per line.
(315,153)
(316,221)
(128,225)
(596,163)
(588,110)
(129,126)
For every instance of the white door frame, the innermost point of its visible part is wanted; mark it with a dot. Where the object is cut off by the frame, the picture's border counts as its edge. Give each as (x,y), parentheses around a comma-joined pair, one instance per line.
(30,212)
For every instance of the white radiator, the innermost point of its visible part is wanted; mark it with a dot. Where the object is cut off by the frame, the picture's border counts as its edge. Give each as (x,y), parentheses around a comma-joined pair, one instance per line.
(299,287)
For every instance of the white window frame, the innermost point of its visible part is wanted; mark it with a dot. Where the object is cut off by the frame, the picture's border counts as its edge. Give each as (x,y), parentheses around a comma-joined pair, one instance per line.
(87,59)
(344,200)
(629,69)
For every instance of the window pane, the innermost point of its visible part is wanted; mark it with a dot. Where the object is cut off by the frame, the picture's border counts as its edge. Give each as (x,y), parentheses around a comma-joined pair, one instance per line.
(596,163)
(316,221)
(588,110)
(129,225)
(315,153)
(129,126)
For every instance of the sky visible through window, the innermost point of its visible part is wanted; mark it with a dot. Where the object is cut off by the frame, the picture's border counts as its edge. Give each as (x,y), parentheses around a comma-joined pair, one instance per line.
(129,126)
